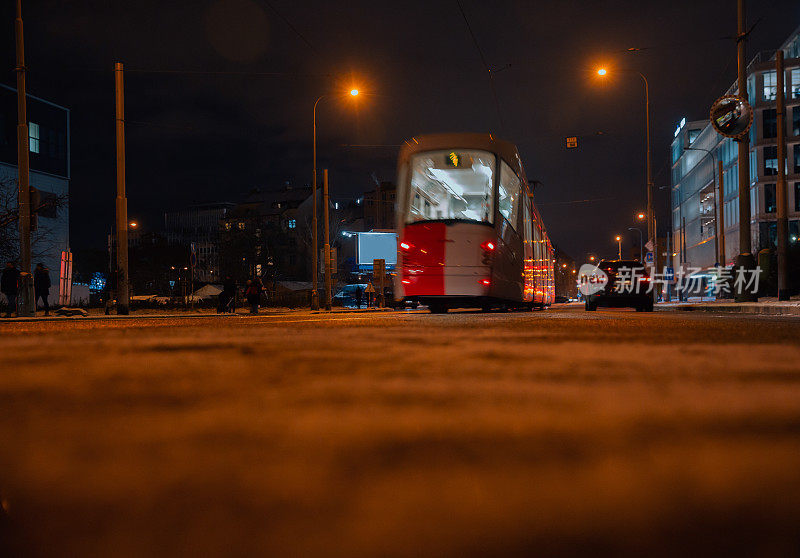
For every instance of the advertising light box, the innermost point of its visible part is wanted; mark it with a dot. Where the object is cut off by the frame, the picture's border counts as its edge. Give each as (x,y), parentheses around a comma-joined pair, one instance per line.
(377,246)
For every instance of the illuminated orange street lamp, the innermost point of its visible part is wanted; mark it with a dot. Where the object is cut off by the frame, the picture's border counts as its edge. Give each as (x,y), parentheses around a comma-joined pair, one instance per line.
(133,224)
(652,231)
(619,243)
(314,254)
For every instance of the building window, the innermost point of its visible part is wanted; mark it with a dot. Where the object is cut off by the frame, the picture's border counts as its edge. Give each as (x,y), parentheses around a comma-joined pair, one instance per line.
(796,121)
(795,77)
(692,135)
(770,86)
(770,123)
(292,223)
(771,160)
(797,158)
(769,198)
(33,137)
(240,225)
(797,196)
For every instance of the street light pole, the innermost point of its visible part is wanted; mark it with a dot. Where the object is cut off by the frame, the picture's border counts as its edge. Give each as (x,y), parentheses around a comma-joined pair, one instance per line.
(745,259)
(123,294)
(26,307)
(314,254)
(327,248)
(619,242)
(641,248)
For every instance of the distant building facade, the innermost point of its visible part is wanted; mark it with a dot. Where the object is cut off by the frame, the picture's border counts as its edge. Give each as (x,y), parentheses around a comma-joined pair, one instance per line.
(694,154)
(379,206)
(265,236)
(199,225)
(49,148)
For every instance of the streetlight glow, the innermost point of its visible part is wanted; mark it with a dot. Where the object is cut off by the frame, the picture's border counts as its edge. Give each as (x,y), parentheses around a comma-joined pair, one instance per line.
(133,224)
(354,92)
(641,216)
(618,238)
(601,72)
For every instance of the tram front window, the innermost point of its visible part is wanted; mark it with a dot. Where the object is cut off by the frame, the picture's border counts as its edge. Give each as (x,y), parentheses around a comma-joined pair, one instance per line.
(452,184)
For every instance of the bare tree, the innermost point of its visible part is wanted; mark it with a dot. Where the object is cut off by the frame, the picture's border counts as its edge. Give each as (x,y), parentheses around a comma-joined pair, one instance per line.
(43,239)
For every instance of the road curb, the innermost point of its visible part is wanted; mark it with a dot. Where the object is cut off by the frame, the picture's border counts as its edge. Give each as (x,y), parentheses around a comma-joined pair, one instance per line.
(764,309)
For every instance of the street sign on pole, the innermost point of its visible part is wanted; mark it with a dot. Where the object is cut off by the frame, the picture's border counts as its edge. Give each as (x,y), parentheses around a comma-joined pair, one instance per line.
(572,142)
(648,258)
(378,274)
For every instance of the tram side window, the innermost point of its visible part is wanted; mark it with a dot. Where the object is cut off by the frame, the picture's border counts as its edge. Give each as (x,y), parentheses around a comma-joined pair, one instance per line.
(452,185)
(508,199)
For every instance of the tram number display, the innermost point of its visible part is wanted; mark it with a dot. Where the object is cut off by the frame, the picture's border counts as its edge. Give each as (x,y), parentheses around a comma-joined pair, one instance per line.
(458,160)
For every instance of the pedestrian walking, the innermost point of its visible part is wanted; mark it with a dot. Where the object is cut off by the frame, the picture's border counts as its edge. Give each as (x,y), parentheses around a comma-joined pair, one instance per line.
(226,297)
(359,296)
(253,293)
(41,286)
(9,286)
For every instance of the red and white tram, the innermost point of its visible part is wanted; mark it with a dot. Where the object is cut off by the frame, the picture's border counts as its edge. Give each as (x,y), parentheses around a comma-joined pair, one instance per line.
(469,234)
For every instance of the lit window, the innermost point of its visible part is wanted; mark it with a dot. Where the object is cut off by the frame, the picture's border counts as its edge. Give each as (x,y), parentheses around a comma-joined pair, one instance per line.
(292,223)
(769,198)
(771,160)
(240,224)
(692,135)
(33,137)
(508,201)
(795,77)
(770,86)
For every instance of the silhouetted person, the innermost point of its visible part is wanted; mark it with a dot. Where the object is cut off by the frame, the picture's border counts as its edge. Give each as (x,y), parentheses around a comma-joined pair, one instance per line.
(9,286)
(227,295)
(253,294)
(41,286)
(359,295)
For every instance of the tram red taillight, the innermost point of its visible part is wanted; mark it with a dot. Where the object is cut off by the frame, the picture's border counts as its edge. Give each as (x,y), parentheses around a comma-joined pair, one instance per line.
(405,246)
(485,282)
(489,246)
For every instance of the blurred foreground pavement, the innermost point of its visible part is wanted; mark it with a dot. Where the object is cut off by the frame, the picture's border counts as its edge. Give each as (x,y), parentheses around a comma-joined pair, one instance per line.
(459,435)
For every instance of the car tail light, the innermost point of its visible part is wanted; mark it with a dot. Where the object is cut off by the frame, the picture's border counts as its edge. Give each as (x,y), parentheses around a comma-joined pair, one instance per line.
(489,246)
(405,246)
(485,282)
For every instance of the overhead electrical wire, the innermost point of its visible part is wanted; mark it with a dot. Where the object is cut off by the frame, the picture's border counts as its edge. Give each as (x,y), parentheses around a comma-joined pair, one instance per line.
(485,64)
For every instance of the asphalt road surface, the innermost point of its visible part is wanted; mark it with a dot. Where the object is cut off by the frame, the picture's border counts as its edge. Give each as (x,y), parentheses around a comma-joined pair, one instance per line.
(520,434)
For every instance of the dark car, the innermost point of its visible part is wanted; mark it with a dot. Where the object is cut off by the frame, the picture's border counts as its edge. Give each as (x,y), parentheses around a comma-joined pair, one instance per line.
(627,285)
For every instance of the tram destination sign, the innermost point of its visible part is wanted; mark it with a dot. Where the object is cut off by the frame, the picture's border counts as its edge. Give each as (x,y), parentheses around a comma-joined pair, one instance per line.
(572,142)
(731,116)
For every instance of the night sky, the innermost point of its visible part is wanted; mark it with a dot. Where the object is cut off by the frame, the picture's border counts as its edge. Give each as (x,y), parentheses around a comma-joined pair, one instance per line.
(219,94)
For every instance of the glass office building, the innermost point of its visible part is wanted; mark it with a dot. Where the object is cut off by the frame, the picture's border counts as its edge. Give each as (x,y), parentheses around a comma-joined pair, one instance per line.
(695,204)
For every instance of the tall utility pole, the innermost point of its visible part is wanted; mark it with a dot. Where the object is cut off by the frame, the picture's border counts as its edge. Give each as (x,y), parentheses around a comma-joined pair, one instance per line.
(326,203)
(123,294)
(26,307)
(721,213)
(314,240)
(746,259)
(783,223)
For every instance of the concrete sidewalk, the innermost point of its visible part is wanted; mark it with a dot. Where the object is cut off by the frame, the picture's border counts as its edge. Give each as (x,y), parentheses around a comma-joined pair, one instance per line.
(766,305)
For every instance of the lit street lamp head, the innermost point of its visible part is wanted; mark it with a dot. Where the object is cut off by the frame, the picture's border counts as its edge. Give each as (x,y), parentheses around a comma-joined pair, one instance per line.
(641,216)
(601,72)
(354,92)
(618,238)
